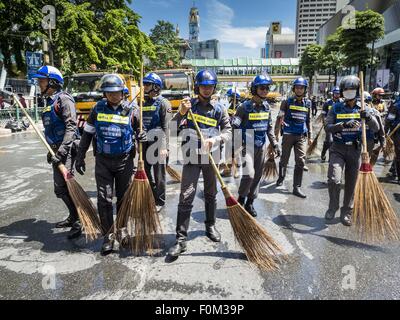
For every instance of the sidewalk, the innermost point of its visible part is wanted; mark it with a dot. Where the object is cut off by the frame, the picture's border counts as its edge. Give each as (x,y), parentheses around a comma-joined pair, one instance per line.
(7,132)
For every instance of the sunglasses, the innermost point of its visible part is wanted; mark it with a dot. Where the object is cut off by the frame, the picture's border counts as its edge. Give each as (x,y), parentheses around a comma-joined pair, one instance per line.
(263,87)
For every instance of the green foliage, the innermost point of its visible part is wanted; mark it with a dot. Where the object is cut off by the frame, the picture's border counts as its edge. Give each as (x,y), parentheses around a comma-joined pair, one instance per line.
(310,59)
(105,33)
(369,27)
(166,44)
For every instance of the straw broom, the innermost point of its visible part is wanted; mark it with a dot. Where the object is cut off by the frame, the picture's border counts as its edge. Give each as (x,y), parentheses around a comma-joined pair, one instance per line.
(388,151)
(259,247)
(175,175)
(270,171)
(314,144)
(138,214)
(373,215)
(84,206)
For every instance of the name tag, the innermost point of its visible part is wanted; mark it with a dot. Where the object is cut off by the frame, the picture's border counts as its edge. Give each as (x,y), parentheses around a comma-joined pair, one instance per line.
(150,108)
(113,118)
(298,108)
(348,116)
(207,121)
(231,112)
(47,109)
(259,116)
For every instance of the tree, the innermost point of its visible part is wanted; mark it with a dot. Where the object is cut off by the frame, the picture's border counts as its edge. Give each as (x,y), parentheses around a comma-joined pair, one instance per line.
(331,57)
(369,27)
(166,44)
(309,62)
(102,32)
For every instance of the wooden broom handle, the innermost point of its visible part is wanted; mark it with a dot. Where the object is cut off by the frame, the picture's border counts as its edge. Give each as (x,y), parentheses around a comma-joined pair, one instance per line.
(234,101)
(393,131)
(209,154)
(141,110)
(34,126)
(364,130)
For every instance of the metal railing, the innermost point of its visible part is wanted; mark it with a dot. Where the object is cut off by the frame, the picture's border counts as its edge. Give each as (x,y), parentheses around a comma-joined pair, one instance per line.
(13,113)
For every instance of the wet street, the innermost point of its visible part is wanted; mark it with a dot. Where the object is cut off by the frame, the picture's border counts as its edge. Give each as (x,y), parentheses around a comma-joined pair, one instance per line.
(326,260)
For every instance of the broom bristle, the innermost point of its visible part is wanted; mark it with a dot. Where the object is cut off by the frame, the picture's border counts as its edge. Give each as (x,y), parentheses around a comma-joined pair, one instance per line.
(86,210)
(138,214)
(373,215)
(374,156)
(260,248)
(388,151)
(175,175)
(313,146)
(270,170)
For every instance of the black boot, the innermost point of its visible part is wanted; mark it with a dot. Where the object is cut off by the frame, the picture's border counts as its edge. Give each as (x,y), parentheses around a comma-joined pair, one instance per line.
(211,232)
(398,171)
(75,231)
(330,214)
(241,200)
(282,175)
(108,246)
(297,180)
(325,148)
(345,217)
(250,208)
(73,214)
(178,248)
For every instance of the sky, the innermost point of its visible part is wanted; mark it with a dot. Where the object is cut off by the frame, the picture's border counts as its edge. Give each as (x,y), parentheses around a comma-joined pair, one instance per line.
(239,25)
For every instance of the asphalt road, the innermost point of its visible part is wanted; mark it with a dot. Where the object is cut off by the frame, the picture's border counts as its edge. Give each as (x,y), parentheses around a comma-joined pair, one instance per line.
(326,261)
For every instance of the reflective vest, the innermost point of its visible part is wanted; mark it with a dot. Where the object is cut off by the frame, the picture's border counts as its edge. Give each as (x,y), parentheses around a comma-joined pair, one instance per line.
(114,130)
(54,126)
(379,106)
(257,123)
(151,113)
(296,116)
(208,122)
(345,114)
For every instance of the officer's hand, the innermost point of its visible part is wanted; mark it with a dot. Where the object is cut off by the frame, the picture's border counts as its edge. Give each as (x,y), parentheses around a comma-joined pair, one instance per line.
(277,150)
(351,124)
(185,106)
(208,143)
(163,153)
(48,157)
(309,141)
(142,136)
(365,114)
(80,166)
(55,161)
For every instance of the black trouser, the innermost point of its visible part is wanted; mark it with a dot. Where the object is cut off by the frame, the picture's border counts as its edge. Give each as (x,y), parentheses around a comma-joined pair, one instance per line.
(60,186)
(157,177)
(253,168)
(190,178)
(109,170)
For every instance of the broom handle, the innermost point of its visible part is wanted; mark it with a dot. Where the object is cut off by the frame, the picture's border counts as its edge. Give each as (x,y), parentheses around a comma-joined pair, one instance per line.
(234,101)
(216,171)
(393,131)
(141,111)
(364,130)
(34,126)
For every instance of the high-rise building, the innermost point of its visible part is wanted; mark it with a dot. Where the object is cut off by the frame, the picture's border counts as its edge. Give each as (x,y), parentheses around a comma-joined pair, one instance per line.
(311,14)
(278,45)
(208,49)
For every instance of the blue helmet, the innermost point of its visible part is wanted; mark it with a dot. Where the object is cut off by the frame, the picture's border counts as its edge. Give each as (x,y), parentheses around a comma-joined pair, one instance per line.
(49,72)
(153,78)
(126,91)
(259,81)
(230,94)
(300,82)
(336,90)
(206,77)
(111,83)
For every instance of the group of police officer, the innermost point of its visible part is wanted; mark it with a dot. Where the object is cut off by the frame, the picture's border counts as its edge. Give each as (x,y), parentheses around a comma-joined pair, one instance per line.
(113,129)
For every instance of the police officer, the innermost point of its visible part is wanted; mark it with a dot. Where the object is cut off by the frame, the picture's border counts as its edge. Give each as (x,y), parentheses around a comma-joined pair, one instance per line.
(215,125)
(294,117)
(391,122)
(234,101)
(344,122)
(325,109)
(253,117)
(111,122)
(154,121)
(60,130)
(374,137)
(377,102)
(126,94)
